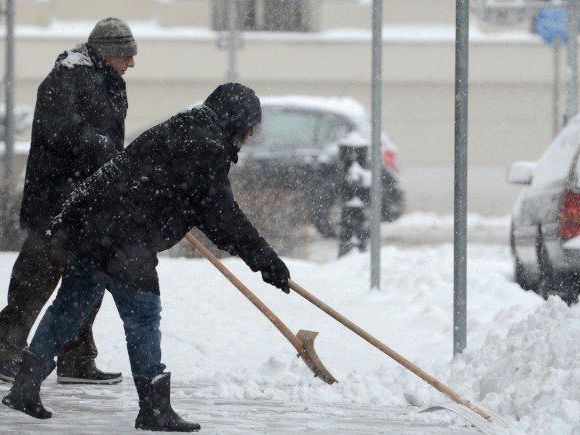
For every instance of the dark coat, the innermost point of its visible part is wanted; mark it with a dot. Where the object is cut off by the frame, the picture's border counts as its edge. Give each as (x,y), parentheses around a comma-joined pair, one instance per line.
(170,179)
(78,125)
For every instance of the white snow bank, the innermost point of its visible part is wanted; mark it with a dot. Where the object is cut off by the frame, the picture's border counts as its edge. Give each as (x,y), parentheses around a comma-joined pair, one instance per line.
(521,359)
(20,148)
(533,373)
(405,33)
(426,220)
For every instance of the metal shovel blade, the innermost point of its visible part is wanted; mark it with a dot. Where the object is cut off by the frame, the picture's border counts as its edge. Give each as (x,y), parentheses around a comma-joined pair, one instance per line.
(310,357)
(496,425)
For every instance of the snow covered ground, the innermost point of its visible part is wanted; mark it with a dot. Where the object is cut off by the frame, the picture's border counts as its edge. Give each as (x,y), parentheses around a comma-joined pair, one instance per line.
(233,372)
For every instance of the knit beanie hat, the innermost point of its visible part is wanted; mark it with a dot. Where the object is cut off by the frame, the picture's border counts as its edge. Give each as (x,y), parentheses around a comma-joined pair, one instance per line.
(111,37)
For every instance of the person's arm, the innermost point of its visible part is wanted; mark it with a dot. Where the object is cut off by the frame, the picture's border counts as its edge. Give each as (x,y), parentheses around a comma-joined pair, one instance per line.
(226,225)
(66,126)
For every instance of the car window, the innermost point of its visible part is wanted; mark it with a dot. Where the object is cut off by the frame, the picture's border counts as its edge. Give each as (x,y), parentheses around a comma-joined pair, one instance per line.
(554,165)
(331,128)
(286,130)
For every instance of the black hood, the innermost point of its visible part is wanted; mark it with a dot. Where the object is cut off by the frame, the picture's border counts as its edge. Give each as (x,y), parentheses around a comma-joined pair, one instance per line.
(237,108)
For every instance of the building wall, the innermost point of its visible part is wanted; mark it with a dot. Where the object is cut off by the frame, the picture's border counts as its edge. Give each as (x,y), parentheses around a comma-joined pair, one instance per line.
(510,77)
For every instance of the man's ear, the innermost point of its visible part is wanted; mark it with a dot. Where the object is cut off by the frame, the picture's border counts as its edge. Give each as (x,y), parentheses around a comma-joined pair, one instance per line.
(250,132)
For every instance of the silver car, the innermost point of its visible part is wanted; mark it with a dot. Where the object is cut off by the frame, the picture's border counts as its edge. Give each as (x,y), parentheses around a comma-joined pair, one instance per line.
(297,146)
(545,230)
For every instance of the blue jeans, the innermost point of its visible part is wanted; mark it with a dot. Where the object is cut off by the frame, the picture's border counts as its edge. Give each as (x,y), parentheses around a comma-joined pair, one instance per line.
(81,289)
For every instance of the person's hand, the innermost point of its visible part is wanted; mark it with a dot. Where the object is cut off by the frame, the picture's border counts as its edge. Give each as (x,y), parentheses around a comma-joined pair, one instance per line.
(277,274)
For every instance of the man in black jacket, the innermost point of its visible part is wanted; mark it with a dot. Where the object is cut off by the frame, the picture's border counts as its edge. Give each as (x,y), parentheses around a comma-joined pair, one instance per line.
(170,179)
(78,125)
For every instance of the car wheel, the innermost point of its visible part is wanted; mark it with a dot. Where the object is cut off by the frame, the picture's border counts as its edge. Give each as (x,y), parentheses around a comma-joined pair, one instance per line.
(393,205)
(570,296)
(393,199)
(551,282)
(521,276)
(326,209)
(327,222)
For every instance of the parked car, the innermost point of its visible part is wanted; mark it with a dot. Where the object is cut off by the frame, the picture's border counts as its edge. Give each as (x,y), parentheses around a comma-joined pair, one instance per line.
(545,229)
(297,147)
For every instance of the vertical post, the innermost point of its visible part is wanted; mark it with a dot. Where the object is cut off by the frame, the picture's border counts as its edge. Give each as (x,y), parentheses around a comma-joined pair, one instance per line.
(376,144)
(572,106)
(233,40)
(460,215)
(556,90)
(9,89)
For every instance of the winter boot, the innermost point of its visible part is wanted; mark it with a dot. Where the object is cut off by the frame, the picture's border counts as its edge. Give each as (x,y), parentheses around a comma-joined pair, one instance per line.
(156,413)
(85,372)
(25,393)
(9,361)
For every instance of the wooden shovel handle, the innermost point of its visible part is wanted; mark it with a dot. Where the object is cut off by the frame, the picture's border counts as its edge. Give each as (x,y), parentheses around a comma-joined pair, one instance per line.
(385,349)
(247,293)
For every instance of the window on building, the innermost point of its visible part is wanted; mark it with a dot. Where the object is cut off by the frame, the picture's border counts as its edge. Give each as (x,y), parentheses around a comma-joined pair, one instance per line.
(265,15)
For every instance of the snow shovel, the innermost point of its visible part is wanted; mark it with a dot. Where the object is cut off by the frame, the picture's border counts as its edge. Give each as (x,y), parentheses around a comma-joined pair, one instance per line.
(394,355)
(303,342)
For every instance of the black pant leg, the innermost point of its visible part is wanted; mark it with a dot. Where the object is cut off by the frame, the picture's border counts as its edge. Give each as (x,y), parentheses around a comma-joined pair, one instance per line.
(35,275)
(81,351)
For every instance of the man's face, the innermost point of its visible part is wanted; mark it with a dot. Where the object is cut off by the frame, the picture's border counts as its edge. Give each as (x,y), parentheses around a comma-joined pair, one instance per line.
(120,64)
(247,135)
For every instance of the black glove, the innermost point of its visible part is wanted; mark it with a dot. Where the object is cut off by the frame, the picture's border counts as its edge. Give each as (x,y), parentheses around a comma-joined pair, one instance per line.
(277,274)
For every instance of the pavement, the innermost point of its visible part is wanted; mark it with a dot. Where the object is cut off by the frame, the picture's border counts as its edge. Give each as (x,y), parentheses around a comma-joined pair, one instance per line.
(88,409)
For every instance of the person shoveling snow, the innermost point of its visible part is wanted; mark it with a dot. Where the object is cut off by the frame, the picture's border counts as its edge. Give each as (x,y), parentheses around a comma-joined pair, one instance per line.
(170,179)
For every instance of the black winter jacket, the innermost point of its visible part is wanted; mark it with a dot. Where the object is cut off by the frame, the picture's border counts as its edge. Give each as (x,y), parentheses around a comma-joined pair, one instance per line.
(170,179)
(78,125)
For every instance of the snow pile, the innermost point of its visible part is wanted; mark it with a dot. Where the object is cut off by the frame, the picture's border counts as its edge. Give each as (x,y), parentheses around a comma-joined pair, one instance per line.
(533,374)
(521,359)
(409,33)
(434,221)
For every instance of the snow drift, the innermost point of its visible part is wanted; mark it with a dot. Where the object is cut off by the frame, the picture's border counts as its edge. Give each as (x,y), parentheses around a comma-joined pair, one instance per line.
(521,361)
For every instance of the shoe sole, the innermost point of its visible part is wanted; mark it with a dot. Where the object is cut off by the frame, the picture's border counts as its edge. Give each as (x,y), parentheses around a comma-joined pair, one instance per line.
(162,429)
(26,410)
(68,380)
(5,378)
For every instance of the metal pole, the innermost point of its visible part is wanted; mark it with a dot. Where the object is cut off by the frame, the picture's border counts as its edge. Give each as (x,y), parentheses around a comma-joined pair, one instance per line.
(572,106)
(9,86)
(556,90)
(233,40)
(460,216)
(376,144)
